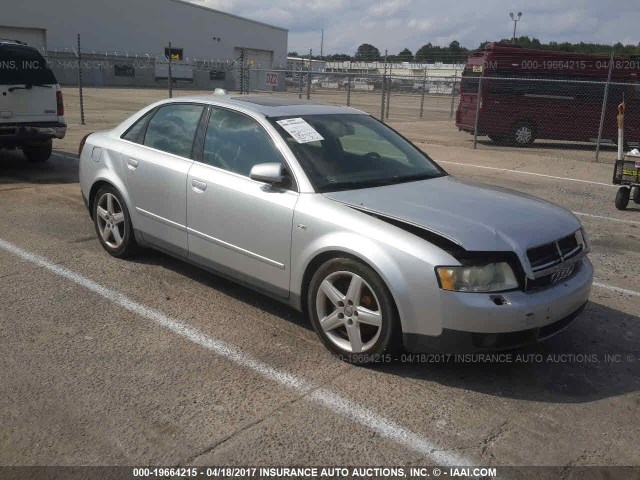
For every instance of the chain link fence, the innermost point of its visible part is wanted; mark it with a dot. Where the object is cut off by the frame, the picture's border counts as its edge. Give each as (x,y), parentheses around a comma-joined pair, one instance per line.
(388,97)
(562,118)
(105,88)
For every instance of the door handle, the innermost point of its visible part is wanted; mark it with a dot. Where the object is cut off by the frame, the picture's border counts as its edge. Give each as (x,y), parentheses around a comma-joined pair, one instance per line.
(198,186)
(132,164)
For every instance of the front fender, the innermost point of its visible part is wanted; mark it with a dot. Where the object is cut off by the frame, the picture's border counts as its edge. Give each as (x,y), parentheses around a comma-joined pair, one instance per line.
(400,259)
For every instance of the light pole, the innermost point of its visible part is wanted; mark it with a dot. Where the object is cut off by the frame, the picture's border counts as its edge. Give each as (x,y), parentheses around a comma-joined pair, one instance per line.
(515,19)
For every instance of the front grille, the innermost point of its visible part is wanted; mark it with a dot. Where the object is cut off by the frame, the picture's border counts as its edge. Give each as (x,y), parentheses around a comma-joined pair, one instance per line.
(544,257)
(552,278)
(554,254)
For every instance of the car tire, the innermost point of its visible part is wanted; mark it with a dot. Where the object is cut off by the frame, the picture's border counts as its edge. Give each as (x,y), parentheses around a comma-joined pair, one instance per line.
(358,326)
(38,153)
(622,198)
(636,195)
(523,134)
(112,223)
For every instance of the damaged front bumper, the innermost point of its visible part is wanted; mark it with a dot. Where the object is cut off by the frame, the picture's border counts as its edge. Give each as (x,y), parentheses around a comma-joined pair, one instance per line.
(477,321)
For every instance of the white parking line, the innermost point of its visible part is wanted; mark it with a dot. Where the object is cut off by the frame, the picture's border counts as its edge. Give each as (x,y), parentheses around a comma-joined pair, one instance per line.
(633,222)
(632,293)
(509,170)
(332,401)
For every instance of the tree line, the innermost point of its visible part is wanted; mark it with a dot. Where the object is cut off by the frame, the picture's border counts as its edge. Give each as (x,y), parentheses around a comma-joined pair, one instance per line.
(456,53)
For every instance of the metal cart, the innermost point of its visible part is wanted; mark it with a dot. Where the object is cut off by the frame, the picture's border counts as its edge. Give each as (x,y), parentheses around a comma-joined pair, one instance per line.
(627,174)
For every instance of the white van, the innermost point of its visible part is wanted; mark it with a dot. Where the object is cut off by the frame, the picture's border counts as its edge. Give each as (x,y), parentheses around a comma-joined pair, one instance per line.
(362,84)
(31,107)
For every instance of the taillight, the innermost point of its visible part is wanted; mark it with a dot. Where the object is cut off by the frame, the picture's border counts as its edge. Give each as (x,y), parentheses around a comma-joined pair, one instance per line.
(82,142)
(60,103)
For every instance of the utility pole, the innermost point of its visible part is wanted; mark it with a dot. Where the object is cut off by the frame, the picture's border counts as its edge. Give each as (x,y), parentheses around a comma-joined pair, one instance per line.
(80,82)
(169,74)
(309,75)
(383,93)
(322,45)
(516,19)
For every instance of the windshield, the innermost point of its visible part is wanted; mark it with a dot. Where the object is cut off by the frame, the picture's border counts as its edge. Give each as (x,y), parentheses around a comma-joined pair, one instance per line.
(20,65)
(349,151)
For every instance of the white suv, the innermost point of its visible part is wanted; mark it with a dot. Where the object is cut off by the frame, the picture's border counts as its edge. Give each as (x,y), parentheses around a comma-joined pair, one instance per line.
(31,107)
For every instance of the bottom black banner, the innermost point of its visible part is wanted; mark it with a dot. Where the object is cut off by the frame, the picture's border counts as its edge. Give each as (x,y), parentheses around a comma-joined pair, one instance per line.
(322,472)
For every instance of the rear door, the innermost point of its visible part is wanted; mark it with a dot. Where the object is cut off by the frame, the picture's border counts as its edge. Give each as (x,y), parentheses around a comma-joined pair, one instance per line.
(157,156)
(28,87)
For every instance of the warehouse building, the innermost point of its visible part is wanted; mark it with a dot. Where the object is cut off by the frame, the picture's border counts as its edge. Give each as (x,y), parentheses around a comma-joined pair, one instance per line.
(118,35)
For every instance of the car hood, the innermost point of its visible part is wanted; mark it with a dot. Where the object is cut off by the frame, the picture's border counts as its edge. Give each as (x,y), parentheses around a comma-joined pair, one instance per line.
(476,217)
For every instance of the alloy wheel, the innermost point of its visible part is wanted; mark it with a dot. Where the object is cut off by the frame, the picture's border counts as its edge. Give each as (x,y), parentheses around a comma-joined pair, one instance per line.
(349,312)
(110,220)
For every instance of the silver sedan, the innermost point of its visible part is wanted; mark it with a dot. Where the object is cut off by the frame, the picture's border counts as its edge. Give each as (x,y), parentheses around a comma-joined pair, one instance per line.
(335,213)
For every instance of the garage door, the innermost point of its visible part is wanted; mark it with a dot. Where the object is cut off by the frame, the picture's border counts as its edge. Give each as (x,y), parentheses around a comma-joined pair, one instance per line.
(36,37)
(256,58)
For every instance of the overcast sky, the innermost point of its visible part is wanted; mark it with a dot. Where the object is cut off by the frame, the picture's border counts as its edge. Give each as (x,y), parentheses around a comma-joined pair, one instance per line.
(395,24)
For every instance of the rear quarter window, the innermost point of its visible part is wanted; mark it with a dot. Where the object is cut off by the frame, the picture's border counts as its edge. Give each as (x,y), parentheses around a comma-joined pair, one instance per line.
(21,65)
(137,131)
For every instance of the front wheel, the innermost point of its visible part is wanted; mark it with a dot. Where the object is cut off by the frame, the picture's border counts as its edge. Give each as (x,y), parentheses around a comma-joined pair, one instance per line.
(352,311)
(113,223)
(622,198)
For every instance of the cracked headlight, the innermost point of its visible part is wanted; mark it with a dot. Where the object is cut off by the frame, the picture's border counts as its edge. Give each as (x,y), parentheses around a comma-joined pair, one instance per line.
(493,277)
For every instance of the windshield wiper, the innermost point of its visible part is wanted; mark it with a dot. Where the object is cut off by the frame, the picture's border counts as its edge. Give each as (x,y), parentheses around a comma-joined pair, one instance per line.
(28,86)
(412,178)
(377,183)
(330,187)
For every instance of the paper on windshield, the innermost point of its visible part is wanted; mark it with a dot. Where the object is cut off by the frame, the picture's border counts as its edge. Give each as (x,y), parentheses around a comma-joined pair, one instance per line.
(300,130)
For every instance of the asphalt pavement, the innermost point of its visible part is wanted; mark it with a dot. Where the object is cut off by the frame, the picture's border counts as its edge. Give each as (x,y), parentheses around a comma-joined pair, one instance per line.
(153,361)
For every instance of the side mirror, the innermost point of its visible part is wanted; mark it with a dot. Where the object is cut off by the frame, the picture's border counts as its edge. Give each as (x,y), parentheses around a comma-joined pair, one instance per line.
(267,173)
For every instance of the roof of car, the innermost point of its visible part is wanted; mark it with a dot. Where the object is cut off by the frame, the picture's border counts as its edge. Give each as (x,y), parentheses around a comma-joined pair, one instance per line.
(270,105)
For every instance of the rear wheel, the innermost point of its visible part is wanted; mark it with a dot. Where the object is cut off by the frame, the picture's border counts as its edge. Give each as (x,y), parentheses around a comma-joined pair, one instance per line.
(39,152)
(352,311)
(622,198)
(636,195)
(523,134)
(113,223)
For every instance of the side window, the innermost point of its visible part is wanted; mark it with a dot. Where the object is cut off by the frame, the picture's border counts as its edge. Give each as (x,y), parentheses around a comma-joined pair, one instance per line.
(236,143)
(136,131)
(173,129)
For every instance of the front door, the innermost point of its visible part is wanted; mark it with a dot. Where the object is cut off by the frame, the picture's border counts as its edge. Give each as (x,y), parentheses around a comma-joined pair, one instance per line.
(237,225)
